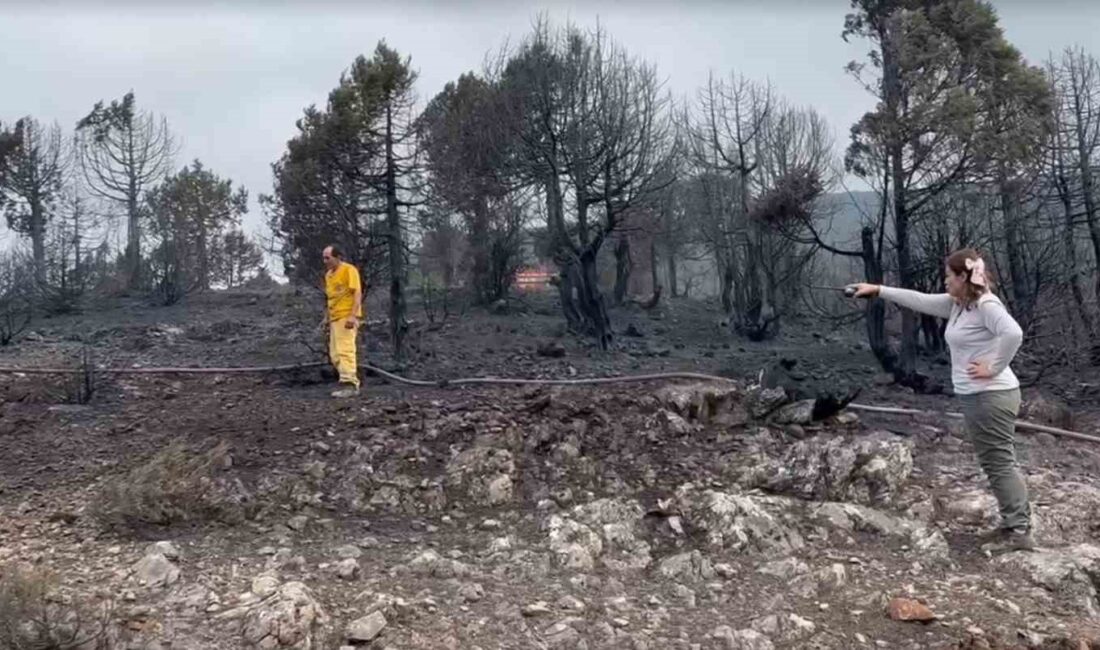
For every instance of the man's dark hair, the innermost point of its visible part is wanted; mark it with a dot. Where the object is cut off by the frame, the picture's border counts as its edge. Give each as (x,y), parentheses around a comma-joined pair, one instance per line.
(336,252)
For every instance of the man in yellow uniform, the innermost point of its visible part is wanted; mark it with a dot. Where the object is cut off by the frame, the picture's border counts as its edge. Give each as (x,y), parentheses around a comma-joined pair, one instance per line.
(344,311)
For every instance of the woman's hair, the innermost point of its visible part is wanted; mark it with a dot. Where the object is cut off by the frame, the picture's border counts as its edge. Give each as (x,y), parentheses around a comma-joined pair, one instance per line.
(957,263)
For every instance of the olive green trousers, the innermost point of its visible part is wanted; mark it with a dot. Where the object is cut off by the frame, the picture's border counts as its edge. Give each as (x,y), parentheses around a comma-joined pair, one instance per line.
(991,425)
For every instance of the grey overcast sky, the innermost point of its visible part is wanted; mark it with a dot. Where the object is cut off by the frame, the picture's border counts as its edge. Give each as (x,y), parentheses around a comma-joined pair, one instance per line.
(232,77)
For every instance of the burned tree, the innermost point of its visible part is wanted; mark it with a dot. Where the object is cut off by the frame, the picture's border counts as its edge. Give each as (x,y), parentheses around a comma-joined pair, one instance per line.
(384,84)
(725,135)
(33,164)
(75,239)
(670,233)
(467,138)
(1071,163)
(123,153)
(1017,124)
(324,194)
(753,155)
(349,177)
(938,71)
(594,136)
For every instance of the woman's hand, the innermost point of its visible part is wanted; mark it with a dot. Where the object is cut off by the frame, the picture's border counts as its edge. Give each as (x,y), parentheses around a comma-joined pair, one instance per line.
(979,370)
(862,290)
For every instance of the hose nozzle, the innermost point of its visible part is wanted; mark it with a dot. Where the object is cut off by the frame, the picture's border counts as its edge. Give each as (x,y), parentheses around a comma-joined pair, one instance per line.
(849,291)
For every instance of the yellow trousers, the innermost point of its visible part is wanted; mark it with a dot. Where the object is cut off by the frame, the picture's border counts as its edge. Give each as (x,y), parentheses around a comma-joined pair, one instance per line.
(341,351)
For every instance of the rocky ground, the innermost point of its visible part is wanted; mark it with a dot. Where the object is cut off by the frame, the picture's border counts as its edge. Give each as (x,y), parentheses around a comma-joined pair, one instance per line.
(239,511)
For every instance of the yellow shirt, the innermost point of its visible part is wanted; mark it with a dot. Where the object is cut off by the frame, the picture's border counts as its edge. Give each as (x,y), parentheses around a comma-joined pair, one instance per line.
(340,287)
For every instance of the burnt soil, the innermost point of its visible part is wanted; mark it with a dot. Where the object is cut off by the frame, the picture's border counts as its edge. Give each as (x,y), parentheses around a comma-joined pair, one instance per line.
(57,453)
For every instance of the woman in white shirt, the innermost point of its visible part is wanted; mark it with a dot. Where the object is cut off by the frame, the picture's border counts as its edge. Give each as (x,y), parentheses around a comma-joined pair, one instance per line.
(983,338)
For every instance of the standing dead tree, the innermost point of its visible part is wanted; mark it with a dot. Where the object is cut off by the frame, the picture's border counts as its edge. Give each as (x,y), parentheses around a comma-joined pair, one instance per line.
(767,162)
(75,239)
(594,136)
(123,152)
(725,139)
(1070,172)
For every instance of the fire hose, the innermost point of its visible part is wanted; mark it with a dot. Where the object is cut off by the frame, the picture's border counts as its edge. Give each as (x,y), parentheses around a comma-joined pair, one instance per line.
(508,381)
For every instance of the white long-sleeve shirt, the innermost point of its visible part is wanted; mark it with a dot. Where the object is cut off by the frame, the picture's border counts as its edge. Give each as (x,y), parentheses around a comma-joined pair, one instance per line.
(984,331)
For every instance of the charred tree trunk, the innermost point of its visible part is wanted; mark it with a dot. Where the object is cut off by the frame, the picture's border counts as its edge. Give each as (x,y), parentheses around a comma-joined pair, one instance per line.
(78,262)
(1086,170)
(876,307)
(1021,299)
(591,302)
(933,334)
(133,240)
(479,244)
(653,300)
(893,98)
(567,283)
(726,291)
(581,299)
(204,260)
(673,284)
(907,363)
(501,271)
(38,243)
(1069,243)
(654,274)
(624,265)
(396,247)
(570,278)
(756,314)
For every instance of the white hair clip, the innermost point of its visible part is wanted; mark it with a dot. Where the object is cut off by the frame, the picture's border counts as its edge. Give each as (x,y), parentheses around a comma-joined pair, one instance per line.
(977,271)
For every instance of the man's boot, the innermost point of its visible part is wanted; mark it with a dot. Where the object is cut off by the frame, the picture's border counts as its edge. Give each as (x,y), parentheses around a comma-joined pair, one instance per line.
(348,390)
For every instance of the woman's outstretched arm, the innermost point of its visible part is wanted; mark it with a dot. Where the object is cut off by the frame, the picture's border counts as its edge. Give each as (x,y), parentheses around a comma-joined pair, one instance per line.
(933,304)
